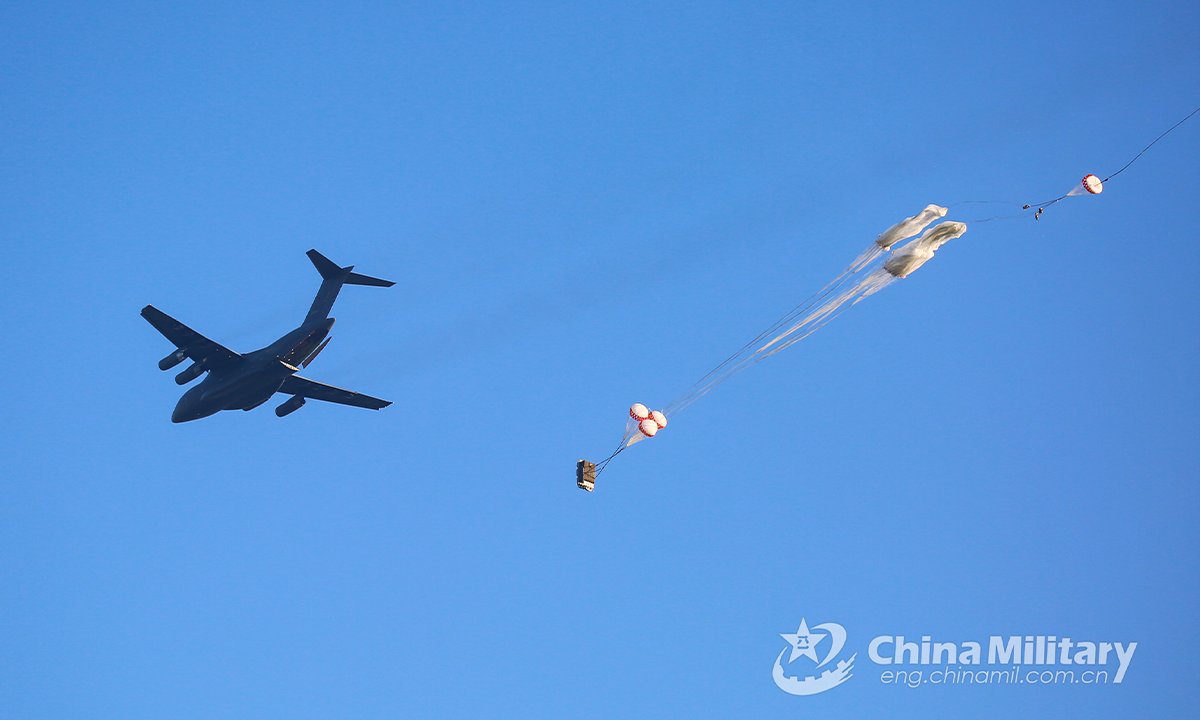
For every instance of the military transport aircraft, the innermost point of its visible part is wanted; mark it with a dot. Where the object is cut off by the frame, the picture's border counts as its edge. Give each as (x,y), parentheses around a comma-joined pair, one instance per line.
(243,382)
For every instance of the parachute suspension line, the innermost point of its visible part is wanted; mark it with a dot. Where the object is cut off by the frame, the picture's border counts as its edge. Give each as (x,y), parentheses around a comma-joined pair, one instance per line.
(1160,137)
(704,384)
(755,358)
(869,286)
(778,323)
(843,307)
(685,399)
(623,444)
(820,324)
(604,463)
(835,308)
(993,202)
(999,217)
(822,314)
(983,202)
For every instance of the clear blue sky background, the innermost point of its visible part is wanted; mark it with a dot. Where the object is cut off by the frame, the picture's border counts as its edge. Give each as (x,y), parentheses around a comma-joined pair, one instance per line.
(586,207)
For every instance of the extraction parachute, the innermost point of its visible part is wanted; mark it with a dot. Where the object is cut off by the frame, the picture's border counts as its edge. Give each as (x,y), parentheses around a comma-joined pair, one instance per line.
(1089,185)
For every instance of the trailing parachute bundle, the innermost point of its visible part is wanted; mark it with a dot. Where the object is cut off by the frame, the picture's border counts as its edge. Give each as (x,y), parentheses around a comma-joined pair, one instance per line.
(906,228)
(810,316)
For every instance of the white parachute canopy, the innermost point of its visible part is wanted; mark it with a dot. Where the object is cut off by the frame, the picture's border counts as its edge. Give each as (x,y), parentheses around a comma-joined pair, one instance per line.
(913,255)
(906,228)
(910,226)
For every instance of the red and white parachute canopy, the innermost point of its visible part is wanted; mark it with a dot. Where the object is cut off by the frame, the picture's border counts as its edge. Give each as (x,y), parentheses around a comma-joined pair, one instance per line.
(1090,184)
(643,423)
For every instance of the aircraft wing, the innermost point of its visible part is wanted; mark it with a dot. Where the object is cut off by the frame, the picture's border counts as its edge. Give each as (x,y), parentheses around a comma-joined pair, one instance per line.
(188,340)
(303,387)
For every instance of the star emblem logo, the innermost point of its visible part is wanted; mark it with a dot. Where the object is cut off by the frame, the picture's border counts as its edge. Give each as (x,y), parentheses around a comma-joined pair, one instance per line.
(803,642)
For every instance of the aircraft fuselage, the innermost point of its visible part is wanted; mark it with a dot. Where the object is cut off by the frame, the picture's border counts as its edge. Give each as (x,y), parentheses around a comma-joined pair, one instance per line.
(255,377)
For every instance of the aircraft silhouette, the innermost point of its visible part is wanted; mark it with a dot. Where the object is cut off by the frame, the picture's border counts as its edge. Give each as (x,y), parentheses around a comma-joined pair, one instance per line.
(243,382)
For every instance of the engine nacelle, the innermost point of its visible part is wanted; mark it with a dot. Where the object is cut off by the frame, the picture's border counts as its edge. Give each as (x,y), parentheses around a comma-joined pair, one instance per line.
(190,374)
(290,406)
(172,360)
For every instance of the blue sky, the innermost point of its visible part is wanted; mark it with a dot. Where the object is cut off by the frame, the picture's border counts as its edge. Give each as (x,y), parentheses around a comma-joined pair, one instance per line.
(585,207)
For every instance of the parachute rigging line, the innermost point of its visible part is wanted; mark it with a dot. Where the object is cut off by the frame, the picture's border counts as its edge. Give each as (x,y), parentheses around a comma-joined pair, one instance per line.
(604,463)
(703,385)
(1160,137)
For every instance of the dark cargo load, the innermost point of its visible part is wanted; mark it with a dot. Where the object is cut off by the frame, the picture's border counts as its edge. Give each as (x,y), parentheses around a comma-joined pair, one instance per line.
(585,475)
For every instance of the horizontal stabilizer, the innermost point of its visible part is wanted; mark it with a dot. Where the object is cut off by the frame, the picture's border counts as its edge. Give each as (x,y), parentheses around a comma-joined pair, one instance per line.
(330,270)
(356,279)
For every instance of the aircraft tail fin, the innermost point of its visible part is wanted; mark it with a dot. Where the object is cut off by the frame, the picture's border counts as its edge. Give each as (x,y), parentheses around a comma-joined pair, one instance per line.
(328,268)
(333,276)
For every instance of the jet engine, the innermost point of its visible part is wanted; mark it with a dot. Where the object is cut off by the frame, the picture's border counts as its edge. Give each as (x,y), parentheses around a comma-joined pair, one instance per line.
(290,406)
(190,374)
(172,360)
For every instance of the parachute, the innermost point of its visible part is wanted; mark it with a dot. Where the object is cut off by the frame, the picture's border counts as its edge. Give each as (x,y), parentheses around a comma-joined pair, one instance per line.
(906,228)
(643,423)
(910,226)
(1091,184)
(916,253)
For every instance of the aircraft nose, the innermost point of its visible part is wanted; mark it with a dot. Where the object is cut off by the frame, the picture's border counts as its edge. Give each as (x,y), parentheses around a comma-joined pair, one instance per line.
(186,408)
